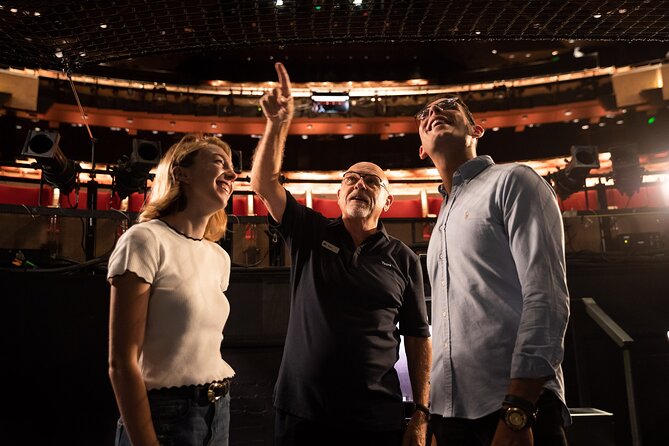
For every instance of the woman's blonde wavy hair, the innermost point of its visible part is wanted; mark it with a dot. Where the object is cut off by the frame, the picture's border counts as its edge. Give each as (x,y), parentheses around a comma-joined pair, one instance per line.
(167,197)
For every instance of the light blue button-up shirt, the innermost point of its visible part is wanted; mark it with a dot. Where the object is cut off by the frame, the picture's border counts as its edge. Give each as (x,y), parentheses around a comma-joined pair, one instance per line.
(500,303)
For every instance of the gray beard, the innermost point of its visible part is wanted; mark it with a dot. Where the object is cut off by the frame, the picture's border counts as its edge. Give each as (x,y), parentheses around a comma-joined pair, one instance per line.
(358,210)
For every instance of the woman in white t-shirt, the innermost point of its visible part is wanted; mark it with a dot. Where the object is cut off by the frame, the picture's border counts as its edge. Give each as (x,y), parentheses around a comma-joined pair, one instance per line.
(168,308)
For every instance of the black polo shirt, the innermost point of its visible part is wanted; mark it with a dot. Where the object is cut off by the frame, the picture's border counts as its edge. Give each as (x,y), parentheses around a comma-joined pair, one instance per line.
(343,338)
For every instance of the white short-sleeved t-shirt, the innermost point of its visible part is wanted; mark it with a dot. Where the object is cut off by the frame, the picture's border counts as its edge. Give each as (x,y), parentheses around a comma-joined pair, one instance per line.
(187,307)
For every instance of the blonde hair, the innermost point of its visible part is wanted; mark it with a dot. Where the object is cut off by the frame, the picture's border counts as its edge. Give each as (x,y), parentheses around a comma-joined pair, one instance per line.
(167,196)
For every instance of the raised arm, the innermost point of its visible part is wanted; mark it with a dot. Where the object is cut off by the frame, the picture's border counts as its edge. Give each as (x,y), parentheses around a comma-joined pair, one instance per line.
(278,108)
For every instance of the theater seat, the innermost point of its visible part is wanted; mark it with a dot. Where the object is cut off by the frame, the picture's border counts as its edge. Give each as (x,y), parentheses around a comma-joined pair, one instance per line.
(104,203)
(259,207)
(25,195)
(136,201)
(326,206)
(434,205)
(407,208)
(240,205)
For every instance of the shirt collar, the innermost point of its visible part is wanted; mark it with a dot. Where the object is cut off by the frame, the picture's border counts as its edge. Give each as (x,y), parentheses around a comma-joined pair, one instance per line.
(339,222)
(469,170)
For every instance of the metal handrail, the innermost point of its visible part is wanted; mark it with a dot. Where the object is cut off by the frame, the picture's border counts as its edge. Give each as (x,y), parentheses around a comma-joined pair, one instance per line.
(624,341)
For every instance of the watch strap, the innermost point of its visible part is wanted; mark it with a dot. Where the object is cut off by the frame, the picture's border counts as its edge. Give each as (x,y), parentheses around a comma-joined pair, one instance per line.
(522,403)
(422,408)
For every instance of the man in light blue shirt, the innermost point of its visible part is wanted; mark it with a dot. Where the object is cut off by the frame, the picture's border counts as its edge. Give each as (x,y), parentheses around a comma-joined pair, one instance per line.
(500,303)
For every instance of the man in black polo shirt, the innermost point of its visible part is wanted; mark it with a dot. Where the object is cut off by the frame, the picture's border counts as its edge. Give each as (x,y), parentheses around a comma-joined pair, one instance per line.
(351,285)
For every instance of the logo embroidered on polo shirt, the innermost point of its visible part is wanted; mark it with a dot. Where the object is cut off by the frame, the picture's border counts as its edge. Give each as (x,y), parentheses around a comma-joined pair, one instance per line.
(330,247)
(386,264)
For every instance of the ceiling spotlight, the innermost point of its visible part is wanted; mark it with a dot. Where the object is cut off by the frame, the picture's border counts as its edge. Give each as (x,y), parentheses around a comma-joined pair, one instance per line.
(571,179)
(132,172)
(578,53)
(57,170)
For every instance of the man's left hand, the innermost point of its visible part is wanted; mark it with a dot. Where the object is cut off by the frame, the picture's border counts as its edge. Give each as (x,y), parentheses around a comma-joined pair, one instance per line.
(507,437)
(416,432)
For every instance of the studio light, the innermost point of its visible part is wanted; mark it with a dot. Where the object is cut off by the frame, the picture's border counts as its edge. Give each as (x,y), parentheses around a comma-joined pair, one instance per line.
(132,172)
(571,179)
(57,170)
(627,173)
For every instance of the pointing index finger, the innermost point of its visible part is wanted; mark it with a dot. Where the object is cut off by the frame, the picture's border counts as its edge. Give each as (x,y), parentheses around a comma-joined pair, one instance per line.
(284,80)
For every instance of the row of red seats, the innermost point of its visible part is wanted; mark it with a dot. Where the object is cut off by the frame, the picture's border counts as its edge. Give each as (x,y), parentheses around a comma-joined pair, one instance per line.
(29,196)
(651,196)
(648,196)
(401,208)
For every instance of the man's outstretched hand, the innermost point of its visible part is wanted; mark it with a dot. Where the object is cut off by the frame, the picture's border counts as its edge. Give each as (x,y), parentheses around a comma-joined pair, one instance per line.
(277,105)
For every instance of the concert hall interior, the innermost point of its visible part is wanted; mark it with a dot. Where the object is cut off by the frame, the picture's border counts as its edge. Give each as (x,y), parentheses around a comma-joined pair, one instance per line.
(92,94)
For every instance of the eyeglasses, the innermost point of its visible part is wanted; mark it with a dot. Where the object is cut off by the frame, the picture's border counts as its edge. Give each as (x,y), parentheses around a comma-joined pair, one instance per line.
(371,181)
(447,103)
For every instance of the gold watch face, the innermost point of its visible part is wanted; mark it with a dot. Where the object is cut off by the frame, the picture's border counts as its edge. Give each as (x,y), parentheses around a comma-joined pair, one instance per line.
(515,418)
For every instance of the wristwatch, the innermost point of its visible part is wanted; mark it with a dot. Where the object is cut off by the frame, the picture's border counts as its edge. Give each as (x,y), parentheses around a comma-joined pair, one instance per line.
(422,408)
(518,413)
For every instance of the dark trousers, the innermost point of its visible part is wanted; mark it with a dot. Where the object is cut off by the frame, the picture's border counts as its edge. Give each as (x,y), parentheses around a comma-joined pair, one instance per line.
(290,430)
(548,429)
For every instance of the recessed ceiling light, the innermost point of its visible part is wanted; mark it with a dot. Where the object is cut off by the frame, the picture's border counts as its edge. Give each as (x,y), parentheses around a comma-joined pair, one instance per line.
(103,25)
(622,11)
(554,53)
(494,51)
(597,16)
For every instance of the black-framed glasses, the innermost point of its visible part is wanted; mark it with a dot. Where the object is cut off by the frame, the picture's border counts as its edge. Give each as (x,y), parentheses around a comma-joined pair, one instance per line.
(371,181)
(446,103)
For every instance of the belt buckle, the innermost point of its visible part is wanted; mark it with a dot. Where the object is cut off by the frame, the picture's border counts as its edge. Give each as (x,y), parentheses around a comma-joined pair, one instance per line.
(215,391)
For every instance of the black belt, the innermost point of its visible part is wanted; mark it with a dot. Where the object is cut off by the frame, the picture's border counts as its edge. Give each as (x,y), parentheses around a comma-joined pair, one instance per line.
(202,394)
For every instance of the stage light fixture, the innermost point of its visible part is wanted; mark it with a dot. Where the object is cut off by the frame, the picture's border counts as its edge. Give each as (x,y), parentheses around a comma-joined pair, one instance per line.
(57,170)
(571,179)
(133,171)
(627,172)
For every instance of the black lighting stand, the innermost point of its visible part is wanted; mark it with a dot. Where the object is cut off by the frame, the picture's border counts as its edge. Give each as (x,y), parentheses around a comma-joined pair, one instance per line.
(605,222)
(90,228)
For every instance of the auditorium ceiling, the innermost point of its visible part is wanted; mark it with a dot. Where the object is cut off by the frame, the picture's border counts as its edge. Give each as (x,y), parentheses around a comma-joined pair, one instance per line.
(205,43)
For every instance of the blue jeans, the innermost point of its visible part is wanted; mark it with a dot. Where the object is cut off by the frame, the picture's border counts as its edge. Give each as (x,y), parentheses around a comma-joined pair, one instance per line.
(182,422)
